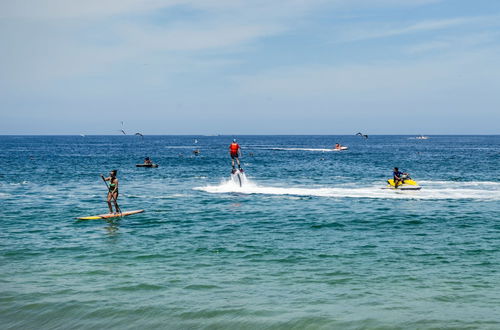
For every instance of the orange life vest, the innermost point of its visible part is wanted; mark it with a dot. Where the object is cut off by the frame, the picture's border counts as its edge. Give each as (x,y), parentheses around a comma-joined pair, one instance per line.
(234,148)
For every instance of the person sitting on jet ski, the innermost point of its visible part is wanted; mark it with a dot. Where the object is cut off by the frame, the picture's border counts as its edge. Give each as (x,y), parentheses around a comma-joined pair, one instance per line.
(399,177)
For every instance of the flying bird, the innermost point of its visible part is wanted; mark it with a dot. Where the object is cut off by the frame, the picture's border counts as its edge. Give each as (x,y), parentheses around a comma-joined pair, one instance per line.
(122,130)
(363,135)
(139,134)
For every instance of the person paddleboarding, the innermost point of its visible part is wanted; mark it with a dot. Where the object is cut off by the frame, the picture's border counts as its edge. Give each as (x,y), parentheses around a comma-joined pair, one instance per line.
(235,153)
(112,191)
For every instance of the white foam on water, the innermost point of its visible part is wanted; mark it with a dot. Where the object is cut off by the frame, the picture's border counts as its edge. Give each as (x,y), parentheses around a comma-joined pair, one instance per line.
(306,149)
(482,184)
(450,190)
(239,179)
(18,183)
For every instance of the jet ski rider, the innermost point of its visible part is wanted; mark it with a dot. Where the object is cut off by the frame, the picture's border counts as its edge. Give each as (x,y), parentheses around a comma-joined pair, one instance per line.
(399,177)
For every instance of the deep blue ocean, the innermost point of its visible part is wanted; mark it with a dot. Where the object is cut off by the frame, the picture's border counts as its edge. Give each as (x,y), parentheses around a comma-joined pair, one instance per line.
(310,241)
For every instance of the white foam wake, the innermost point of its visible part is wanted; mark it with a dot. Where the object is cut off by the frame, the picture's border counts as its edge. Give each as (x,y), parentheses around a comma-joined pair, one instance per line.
(479,184)
(450,190)
(305,149)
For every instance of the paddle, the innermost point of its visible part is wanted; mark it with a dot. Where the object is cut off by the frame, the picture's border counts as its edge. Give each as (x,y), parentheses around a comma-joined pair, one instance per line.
(112,196)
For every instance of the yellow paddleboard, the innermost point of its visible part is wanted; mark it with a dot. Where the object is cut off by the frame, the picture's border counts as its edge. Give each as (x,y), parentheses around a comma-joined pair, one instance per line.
(110,215)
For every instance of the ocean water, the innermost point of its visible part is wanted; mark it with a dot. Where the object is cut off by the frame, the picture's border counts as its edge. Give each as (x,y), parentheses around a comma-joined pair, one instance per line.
(309,242)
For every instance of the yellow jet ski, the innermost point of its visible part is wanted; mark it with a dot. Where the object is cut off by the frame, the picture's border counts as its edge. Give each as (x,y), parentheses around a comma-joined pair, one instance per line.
(408,184)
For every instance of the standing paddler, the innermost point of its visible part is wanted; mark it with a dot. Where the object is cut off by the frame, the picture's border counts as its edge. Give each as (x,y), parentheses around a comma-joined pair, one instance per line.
(112,191)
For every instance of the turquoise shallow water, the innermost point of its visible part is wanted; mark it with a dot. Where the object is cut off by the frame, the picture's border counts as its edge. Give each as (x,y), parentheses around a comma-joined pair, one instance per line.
(309,242)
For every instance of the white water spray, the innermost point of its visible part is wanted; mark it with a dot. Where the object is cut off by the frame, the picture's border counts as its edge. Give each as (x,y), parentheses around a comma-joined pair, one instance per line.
(430,190)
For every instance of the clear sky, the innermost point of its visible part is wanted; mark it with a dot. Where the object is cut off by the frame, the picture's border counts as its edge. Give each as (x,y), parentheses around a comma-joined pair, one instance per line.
(250,67)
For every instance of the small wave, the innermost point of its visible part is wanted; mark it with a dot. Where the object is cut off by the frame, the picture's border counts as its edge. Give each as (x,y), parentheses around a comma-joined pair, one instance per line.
(18,183)
(150,256)
(138,287)
(181,147)
(201,287)
(157,196)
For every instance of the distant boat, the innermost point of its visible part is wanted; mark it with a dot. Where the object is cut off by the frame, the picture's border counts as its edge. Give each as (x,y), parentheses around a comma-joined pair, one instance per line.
(422,137)
(82,135)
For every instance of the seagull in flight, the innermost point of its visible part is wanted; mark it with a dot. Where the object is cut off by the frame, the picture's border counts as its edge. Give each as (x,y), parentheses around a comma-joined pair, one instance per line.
(363,135)
(122,130)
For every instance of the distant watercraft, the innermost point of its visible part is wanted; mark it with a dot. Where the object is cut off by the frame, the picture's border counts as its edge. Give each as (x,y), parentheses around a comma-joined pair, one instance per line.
(408,184)
(147,165)
(339,147)
(422,137)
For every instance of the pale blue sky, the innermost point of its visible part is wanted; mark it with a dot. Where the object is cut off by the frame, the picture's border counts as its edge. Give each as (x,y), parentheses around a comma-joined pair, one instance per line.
(250,67)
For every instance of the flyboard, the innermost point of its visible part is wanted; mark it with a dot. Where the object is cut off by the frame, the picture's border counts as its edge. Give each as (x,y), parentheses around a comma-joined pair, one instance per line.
(110,215)
(238,177)
(408,184)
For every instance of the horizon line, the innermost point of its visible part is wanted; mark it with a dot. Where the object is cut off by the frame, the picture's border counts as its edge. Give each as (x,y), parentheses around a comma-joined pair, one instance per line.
(223,135)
